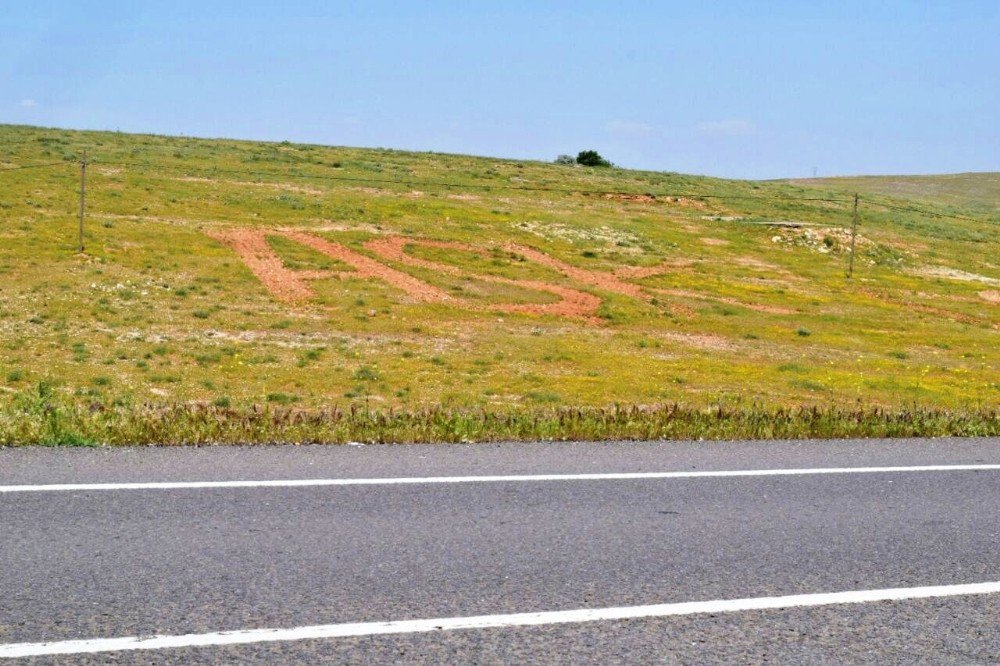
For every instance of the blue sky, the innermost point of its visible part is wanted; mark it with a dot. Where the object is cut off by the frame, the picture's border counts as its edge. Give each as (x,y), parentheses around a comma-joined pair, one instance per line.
(740,89)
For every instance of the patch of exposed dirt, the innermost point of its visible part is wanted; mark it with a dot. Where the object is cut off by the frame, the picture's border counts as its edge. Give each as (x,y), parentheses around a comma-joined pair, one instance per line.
(705,341)
(606,281)
(954,274)
(464,197)
(949,314)
(684,202)
(264,263)
(271,338)
(573,303)
(394,248)
(828,240)
(287,187)
(714,241)
(622,196)
(927,309)
(757,307)
(753,262)
(990,296)
(327,225)
(366,267)
(290,286)
(177,221)
(639,272)
(620,240)
(682,310)
(785,224)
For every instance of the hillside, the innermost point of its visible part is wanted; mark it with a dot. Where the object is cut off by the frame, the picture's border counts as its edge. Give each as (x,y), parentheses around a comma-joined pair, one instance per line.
(976,192)
(241,274)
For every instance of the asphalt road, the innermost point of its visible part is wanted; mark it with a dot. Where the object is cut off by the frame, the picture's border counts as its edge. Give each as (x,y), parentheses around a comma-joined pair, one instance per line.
(93,564)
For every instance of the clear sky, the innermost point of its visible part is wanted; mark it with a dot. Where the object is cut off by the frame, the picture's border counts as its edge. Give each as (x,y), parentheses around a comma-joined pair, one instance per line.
(744,89)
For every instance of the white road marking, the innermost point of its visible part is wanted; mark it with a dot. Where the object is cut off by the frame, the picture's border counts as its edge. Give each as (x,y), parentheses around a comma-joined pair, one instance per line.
(326,631)
(513,478)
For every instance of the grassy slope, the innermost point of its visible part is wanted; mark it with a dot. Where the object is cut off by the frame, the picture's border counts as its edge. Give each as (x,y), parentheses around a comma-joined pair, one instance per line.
(979,192)
(156,310)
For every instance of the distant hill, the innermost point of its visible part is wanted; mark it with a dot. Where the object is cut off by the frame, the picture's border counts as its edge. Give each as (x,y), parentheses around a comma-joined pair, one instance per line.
(976,191)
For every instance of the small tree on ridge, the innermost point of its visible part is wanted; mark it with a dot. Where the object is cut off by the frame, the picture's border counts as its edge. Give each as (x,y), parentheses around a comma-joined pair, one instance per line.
(591,158)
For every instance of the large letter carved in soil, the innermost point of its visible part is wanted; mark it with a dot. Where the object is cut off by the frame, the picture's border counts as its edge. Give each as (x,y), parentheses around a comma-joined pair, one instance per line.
(572,303)
(292,286)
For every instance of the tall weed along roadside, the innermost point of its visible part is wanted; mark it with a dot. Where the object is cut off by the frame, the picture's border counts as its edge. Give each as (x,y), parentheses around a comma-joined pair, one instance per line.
(40,420)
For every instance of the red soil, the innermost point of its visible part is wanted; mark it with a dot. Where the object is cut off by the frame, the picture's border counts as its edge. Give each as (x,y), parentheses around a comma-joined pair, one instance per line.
(573,303)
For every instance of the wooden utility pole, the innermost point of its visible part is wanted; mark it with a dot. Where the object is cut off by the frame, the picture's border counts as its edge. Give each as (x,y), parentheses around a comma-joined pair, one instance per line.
(854,236)
(83,194)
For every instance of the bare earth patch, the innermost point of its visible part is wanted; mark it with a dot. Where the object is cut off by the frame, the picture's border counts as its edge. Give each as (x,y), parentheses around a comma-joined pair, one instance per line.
(328,225)
(366,267)
(687,203)
(639,272)
(705,341)
(603,234)
(990,296)
(264,263)
(649,198)
(955,274)
(753,262)
(757,307)
(287,187)
(607,281)
(176,221)
(618,196)
(926,309)
(573,303)
(290,286)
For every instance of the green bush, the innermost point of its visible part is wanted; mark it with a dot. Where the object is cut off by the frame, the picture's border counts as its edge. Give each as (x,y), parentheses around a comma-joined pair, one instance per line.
(591,158)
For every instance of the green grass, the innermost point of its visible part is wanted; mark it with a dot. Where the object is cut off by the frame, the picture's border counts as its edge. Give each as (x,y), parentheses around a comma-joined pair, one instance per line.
(972,191)
(754,317)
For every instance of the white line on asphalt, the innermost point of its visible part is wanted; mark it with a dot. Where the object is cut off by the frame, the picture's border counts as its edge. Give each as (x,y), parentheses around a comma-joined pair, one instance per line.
(326,631)
(514,478)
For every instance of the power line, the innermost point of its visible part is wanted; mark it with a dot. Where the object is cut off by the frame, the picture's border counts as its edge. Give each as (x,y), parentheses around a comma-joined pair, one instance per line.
(446,184)
(912,209)
(501,186)
(479,186)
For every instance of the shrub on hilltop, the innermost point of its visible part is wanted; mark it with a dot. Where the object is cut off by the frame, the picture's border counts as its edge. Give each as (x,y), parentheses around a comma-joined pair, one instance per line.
(591,158)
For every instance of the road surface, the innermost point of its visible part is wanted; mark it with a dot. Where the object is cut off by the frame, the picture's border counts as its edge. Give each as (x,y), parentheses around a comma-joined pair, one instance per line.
(844,551)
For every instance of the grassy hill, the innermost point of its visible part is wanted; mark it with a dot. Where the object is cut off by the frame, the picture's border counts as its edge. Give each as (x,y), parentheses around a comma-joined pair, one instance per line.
(977,192)
(244,291)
